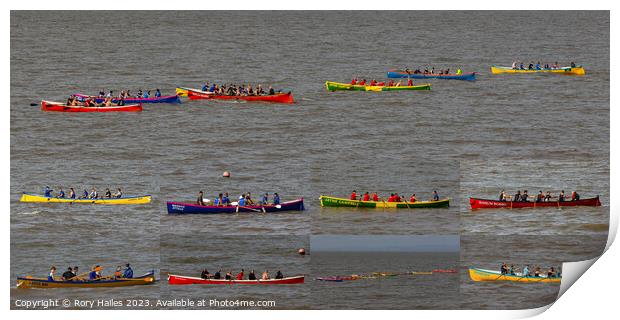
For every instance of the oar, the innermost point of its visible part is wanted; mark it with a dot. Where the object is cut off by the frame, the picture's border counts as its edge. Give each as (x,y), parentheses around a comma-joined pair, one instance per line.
(78,276)
(248,208)
(34,104)
(407,203)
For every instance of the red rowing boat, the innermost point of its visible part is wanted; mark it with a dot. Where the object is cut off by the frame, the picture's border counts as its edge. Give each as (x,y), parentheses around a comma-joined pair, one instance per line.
(176,279)
(278,97)
(485,203)
(61,107)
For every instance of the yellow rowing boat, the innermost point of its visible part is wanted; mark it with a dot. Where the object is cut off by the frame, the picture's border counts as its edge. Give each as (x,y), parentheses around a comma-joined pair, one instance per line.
(125,200)
(490,275)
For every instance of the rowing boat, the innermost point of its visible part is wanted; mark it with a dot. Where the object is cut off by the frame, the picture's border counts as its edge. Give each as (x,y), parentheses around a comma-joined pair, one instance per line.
(61,107)
(490,275)
(578,71)
(30,282)
(277,98)
(182,280)
(332,279)
(124,200)
(444,271)
(486,203)
(182,91)
(470,76)
(189,208)
(421,273)
(327,201)
(385,274)
(163,99)
(337,86)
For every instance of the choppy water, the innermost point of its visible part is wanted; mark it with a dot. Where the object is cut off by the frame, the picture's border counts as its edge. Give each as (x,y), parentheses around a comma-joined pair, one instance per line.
(459,138)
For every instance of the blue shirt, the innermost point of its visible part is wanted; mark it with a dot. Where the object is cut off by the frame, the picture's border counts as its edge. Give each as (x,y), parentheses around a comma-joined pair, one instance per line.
(436,197)
(276,199)
(146,95)
(61,194)
(242,202)
(537,66)
(128,273)
(225,200)
(205,88)
(526,271)
(85,194)
(92,275)
(212,88)
(264,200)
(48,192)
(216,201)
(73,195)
(157,94)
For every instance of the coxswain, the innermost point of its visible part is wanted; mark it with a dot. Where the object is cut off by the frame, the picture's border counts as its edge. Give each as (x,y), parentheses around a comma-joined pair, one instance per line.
(279,275)
(50,277)
(435,196)
(61,194)
(561,196)
(264,200)
(252,275)
(409,82)
(93,194)
(118,273)
(524,196)
(225,199)
(157,93)
(265,275)
(108,193)
(47,192)
(574,196)
(366,196)
(71,193)
(276,198)
(118,193)
(353,195)
(218,274)
(128,273)
(205,274)
(68,274)
(229,275)
(354,81)
(200,200)
(375,197)
(240,275)
(540,196)
(412,198)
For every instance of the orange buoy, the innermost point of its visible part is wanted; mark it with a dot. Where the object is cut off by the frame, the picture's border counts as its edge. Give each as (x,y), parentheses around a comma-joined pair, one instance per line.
(226,174)
(301,251)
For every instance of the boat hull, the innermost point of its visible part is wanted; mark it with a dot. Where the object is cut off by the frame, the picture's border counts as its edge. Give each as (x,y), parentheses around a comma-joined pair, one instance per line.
(61,107)
(471,76)
(327,201)
(337,86)
(489,275)
(189,208)
(276,98)
(577,71)
(183,280)
(108,201)
(182,91)
(162,99)
(487,204)
(29,282)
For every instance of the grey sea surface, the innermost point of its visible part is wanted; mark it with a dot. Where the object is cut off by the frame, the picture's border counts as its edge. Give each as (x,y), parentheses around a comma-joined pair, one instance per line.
(324,143)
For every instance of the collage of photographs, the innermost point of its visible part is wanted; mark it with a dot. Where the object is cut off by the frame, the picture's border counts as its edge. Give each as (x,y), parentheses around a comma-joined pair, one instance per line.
(305,160)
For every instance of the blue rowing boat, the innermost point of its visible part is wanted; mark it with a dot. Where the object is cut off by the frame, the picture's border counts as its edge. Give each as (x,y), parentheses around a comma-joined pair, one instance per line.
(471,76)
(189,208)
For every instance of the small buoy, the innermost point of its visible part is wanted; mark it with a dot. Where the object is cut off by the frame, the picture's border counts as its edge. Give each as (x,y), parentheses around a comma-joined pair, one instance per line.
(226,174)
(301,251)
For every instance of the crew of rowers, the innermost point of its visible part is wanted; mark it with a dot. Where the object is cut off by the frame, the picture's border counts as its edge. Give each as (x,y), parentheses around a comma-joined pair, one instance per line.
(374,82)
(512,271)
(432,71)
(93,194)
(240,276)
(540,197)
(520,66)
(237,90)
(73,274)
(245,199)
(109,99)
(394,197)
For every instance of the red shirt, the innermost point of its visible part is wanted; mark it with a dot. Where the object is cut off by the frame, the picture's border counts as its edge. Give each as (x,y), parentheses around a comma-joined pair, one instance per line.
(375,197)
(409,83)
(412,199)
(391,199)
(353,81)
(353,196)
(363,82)
(381,84)
(240,275)
(366,197)
(373,83)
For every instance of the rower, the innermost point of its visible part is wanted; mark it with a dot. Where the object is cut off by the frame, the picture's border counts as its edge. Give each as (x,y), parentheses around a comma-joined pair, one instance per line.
(229,275)
(252,275)
(512,270)
(218,274)
(240,275)
(521,66)
(547,197)
(561,196)
(412,198)
(241,201)
(540,197)
(265,275)
(575,196)
(71,193)
(524,196)
(118,273)
(435,196)
(391,198)
(76,273)
(219,200)
(353,195)
(537,272)
(205,274)
(531,66)
(362,83)
(373,82)
(146,94)
(551,273)
(128,273)
(375,197)
(526,270)
(200,201)
(93,194)
(84,195)
(504,268)
(538,65)
(108,193)
(391,83)
(276,198)
(459,71)
(501,196)
(572,65)
(514,64)
(68,274)
(118,194)
(248,199)
(397,197)
(409,82)
(61,194)
(205,87)
(48,192)
(50,277)
(225,199)
(264,200)
(271,91)
(94,273)
(279,275)
(157,93)
(366,196)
